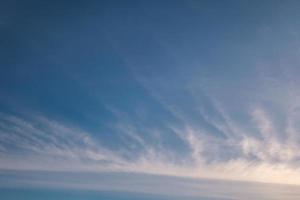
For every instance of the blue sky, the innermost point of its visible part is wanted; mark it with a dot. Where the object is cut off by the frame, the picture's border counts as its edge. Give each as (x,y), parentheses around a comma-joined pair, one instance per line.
(200,89)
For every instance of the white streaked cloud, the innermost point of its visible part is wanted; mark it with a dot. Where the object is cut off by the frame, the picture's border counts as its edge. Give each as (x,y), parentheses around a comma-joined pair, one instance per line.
(222,140)
(42,144)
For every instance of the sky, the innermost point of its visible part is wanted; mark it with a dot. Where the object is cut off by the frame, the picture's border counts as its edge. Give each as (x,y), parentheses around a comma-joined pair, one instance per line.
(187,89)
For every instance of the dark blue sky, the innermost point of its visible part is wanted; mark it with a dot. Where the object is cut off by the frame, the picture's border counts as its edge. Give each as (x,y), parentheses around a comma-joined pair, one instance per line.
(185,88)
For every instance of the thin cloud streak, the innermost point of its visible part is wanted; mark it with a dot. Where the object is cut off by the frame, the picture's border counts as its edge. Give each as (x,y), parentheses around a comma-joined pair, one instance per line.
(49,145)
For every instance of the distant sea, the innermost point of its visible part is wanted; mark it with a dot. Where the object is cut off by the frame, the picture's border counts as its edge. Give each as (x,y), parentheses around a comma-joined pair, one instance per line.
(50,194)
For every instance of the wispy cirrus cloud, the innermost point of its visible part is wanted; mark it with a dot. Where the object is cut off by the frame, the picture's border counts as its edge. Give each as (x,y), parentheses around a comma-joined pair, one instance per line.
(196,131)
(43,144)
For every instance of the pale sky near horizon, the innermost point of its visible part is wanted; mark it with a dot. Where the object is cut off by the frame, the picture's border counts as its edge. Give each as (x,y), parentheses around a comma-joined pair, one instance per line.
(193,89)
